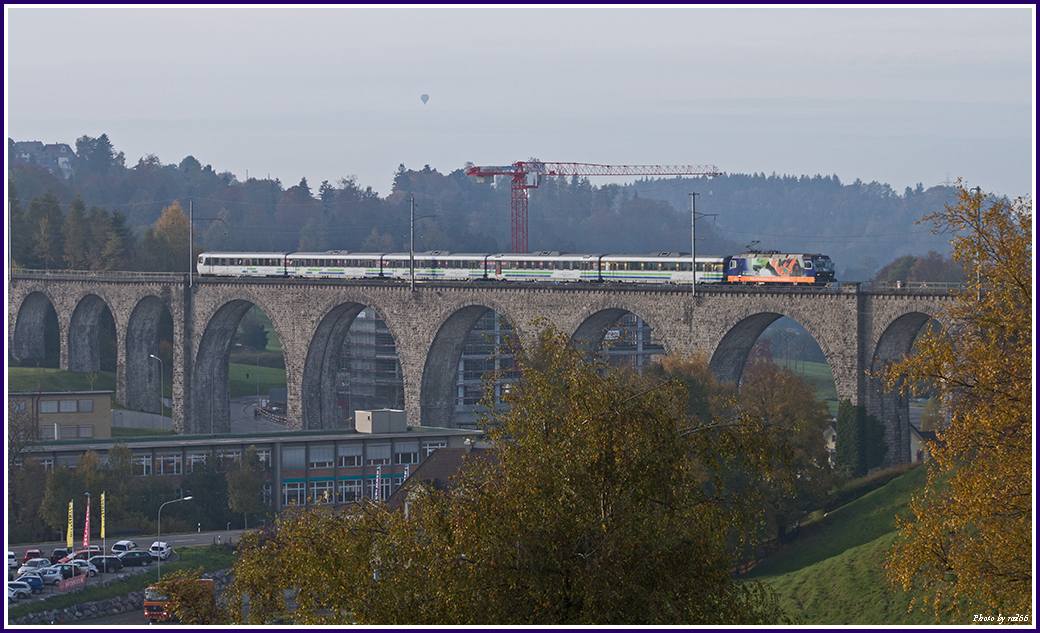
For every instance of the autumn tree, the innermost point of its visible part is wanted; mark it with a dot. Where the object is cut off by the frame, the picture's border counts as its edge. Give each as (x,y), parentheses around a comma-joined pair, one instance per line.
(189,601)
(800,476)
(165,247)
(967,545)
(604,503)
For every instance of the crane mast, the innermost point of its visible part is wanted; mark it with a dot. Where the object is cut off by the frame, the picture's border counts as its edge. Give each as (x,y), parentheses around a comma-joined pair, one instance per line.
(526,175)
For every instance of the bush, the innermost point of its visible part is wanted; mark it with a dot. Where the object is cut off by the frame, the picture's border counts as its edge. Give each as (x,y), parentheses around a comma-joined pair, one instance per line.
(856,488)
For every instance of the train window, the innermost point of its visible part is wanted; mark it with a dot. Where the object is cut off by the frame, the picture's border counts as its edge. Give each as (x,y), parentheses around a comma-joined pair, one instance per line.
(807,264)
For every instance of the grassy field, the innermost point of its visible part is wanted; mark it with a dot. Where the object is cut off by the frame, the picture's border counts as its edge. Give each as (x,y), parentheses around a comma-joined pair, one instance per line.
(832,574)
(209,558)
(243,381)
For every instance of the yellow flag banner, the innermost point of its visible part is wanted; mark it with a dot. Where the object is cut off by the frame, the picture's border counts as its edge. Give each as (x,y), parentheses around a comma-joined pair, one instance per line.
(102,515)
(68,532)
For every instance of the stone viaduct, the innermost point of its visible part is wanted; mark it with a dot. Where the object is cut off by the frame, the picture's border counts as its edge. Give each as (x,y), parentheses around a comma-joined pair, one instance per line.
(858,332)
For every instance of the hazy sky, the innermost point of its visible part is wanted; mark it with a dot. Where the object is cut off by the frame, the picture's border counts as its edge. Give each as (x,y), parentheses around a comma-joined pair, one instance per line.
(893,94)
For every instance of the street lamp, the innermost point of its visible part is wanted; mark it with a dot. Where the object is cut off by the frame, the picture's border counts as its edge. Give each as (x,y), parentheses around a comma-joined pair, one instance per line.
(161,414)
(158,534)
(257,352)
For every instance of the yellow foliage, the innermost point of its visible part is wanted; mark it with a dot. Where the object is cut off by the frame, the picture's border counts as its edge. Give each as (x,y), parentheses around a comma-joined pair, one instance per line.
(967,546)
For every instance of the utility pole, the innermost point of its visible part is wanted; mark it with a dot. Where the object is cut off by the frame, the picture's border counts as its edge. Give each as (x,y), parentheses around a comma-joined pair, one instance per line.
(693,240)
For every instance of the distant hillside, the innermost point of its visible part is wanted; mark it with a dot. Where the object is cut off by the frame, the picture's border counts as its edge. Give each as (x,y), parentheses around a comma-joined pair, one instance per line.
(863,226)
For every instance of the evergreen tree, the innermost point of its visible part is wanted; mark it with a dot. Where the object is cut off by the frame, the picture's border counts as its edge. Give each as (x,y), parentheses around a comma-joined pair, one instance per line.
(74,231)
(860,443)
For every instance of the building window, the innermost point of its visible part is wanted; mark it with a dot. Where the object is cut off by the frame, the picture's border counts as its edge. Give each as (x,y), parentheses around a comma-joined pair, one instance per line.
(294,493)
(47,432)
(320,456)
(322,491)
(229,456)
(68,430)
(196,458)
(67,406)
(49,406)
(349,455)
(378,455)
(265,456)
(349,490)
(86,406)
(141,465)
(85,430)
(384,488)
(46,462)
(406,453)
(429,447)
(293,458)
(267,493)
(19,406)
(167,464)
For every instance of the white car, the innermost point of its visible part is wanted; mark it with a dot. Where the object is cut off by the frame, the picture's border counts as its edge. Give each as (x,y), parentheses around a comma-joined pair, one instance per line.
(123,546)
(34,564)
(160,550)
(12,561)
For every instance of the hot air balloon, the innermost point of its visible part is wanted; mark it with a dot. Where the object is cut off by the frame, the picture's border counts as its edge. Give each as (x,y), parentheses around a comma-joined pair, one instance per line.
(425,98)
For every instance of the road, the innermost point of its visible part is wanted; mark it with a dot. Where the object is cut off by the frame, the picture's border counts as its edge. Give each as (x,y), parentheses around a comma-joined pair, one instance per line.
(242,420)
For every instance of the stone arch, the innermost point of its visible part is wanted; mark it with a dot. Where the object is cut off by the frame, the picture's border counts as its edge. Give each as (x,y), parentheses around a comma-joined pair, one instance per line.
(28,338)
(590,334)
(142,340)
(891,406)
(440,371)
(84,353)
(212,382)
(730,355)
(318,391)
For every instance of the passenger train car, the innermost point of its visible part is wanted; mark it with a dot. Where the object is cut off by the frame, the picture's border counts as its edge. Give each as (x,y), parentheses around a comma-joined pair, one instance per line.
(657,268)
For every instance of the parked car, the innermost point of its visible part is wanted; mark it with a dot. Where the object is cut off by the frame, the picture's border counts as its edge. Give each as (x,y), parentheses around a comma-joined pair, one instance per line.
(18,590)
(85,568)
(123,546)
(135,557)
(34,581)
(49,575)
(33,565)
(12,561)
(107,564)
(31,554)
(82,554)
(58,554)
(67,570)
(160,550)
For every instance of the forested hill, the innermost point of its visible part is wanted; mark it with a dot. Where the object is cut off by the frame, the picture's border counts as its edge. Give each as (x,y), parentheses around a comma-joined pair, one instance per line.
(862,226)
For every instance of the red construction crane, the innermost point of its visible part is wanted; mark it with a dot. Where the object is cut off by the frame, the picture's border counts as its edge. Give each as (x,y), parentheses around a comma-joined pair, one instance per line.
(528,175)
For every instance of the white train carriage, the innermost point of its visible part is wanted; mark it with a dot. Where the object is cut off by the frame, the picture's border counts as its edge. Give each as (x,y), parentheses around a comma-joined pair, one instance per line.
(435,266)
(242,264)
(333,265)
(670,267)
(543,266)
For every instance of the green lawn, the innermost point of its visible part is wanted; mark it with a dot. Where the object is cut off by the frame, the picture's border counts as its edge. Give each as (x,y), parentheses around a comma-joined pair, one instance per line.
(833,573)
(244,383)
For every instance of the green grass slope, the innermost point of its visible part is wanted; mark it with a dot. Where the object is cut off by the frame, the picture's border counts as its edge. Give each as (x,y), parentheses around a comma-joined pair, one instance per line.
(833,573)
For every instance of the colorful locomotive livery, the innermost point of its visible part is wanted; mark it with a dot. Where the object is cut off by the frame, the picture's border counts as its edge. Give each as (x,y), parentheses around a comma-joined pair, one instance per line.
(655,268)
(766,268)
